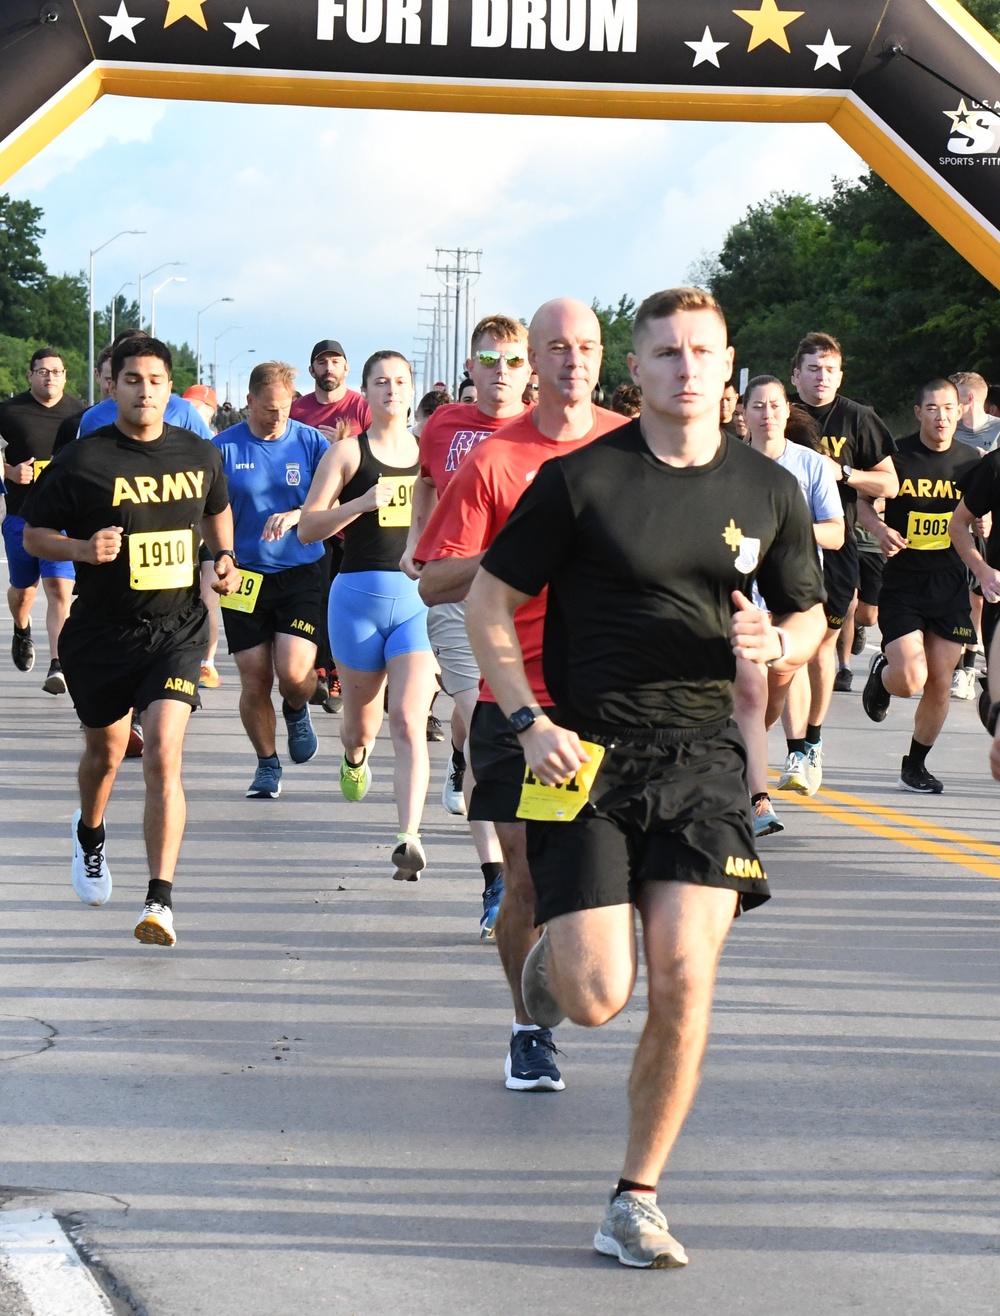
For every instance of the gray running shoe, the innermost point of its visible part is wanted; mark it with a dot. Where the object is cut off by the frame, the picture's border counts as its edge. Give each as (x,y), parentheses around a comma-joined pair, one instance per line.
(543,1007)
(634,1230)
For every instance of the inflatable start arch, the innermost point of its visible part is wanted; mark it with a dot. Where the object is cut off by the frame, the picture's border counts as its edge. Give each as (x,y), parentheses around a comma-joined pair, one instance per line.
(912,85)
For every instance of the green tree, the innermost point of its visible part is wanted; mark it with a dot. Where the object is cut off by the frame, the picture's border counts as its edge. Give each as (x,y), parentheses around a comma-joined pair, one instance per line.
(23,275)
(986,12)
(616,334)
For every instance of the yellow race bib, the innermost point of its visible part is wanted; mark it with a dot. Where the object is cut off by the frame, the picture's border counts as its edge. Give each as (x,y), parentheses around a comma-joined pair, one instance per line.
(37,466)
(400,510)
(926,530)
(540,803)
(161,559)
(245,598)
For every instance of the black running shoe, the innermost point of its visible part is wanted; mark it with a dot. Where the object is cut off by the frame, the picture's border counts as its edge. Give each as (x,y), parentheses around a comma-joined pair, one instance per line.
(875,698)
(435,731)
(22,650)
(860,640)
(918,779)
(843,681)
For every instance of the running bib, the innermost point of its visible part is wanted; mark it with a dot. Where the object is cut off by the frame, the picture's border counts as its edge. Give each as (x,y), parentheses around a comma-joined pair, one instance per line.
(540,803)
(245,598)
(37,467)
(400,510)
(926,530)
(161,559)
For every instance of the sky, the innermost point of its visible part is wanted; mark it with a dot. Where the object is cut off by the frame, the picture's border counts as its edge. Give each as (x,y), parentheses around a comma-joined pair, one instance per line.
(323,222)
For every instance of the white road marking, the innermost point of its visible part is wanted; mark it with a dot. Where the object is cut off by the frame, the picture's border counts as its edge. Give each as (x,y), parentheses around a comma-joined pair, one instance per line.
(43,1263)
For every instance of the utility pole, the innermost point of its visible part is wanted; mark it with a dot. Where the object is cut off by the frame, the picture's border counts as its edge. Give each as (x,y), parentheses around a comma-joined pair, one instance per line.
(458,269)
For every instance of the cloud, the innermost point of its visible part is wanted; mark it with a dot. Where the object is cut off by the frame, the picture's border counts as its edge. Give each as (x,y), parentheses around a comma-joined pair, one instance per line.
(104,125)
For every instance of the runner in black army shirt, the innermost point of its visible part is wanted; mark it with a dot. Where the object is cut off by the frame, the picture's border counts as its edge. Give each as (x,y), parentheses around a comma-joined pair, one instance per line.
(858,447)
(132,499)
(924,612)
(648,540)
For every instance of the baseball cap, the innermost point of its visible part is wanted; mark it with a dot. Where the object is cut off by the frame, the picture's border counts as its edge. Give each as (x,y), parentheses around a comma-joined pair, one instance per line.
(202,393)
(327,345)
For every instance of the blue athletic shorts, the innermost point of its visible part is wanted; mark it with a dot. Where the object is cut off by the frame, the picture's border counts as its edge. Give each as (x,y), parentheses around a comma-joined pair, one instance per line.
(375,616)
(23,568)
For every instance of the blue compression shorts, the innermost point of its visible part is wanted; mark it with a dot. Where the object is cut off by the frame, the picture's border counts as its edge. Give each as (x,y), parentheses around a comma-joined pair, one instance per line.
(375,616)
(24,569)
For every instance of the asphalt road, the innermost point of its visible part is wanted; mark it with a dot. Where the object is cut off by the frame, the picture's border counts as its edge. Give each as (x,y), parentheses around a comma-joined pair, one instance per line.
(301,1108)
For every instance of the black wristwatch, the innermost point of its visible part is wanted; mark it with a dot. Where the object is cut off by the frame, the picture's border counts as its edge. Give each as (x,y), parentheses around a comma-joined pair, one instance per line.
(226,552)
(522,720)
(846,472)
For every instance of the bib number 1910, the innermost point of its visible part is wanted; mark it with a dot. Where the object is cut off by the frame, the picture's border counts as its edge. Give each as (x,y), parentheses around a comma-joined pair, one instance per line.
(161,559)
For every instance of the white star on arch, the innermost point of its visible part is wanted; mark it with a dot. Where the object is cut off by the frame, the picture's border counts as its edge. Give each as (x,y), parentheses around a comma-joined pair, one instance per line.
(245,31)
(120,24)
(706,51)
(828,53)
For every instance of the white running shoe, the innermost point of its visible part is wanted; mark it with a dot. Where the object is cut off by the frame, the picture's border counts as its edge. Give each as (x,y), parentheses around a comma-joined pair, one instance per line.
(408,857)
(156,926)
(452,796)
(91,875)
(635,1231)
(795,776)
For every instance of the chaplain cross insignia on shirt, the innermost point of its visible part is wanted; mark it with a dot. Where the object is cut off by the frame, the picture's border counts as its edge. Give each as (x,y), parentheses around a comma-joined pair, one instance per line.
(733,535)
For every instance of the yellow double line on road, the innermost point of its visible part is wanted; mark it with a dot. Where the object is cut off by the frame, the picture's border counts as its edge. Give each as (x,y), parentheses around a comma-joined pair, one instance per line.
(904,829)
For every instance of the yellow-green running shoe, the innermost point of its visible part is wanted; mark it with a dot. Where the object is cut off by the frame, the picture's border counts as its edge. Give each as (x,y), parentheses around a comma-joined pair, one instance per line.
(355,778)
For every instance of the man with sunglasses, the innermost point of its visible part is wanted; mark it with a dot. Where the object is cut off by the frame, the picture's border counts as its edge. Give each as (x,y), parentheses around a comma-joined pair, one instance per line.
(30,422)
(498,369)
(564,349)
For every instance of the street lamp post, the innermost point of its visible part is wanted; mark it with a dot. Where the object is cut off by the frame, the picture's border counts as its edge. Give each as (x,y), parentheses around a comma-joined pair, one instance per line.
(114,303)
(229,381)
(215,354)
(148,275)
(198,333)
(174,278)
(90,329)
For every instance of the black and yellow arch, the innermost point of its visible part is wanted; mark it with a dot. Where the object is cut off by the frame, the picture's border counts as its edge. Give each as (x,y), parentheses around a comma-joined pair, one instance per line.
(912,85)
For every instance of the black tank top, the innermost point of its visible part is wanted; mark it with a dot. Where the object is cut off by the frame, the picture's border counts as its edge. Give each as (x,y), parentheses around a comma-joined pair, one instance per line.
(375,541)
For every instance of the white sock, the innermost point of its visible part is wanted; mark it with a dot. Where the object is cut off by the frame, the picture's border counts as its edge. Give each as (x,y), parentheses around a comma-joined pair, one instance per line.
(526,1028)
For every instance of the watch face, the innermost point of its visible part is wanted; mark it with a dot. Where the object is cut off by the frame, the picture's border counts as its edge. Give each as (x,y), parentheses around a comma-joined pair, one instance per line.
(521,720)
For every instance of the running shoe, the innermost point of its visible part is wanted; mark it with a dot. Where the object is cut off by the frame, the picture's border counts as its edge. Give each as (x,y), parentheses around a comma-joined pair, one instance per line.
(794,777)
(918,779)
(963,683)
(334,701)
(322,691)
(156,926)
(530,1065)
(302,740)
(843,681)
(22,650)
(860,640)
(635,1230)
(543,1007)
(408,857)
(266,784)
(451,792)
(491,908)
(435,731)
(91,875)
(209,678)
(875,698)
(765,820)
(814,767)
(355,778)
(133,750)
(55,682)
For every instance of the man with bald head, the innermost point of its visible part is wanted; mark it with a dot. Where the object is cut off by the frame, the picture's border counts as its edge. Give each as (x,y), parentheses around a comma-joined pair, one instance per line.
(564,349)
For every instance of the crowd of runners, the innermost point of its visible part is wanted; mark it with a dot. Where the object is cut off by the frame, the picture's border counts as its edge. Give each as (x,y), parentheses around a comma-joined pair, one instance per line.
(619,603)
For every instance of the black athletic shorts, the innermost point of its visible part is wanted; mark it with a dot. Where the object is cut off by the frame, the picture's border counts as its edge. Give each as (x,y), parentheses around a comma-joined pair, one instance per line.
(497,762)
(840,578)
(870,567)
(289,603)
(935,601)
(666,806)
(111,668)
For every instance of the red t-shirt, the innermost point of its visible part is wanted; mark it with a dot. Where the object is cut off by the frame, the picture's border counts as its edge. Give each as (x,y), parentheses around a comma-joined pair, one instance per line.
(448,437)
(352,407)
(478,502)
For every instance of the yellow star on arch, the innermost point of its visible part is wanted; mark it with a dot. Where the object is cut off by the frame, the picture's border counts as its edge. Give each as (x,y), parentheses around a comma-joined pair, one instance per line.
(178,9)
(733,535)
(769,23)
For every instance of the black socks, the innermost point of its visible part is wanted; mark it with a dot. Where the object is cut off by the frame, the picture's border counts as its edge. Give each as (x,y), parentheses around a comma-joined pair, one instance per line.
(629,1186)
(22,630)
(796,746)
(918,754)
(91,838)
(814,734)
(159,891)
(490,874)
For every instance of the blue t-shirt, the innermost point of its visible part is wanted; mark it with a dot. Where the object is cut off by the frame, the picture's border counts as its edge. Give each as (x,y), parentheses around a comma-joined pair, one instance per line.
(178,412)
(267,476)
(815,480)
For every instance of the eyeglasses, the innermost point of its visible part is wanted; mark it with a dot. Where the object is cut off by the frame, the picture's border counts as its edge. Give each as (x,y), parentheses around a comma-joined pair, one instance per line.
(514,359)
(49,374)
